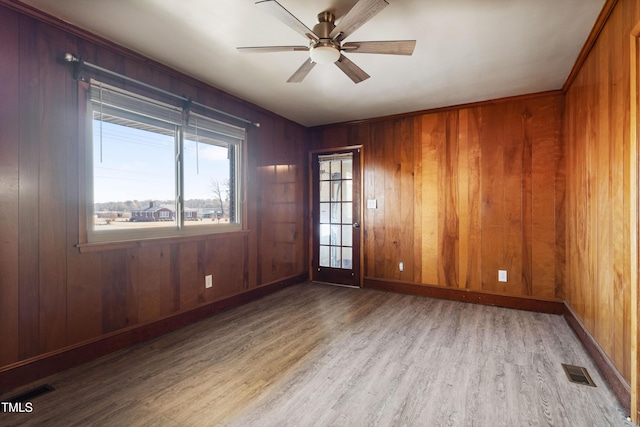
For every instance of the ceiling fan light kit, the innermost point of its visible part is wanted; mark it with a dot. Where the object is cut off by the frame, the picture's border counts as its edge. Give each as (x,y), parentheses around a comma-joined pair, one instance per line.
(326,39)
(321,54)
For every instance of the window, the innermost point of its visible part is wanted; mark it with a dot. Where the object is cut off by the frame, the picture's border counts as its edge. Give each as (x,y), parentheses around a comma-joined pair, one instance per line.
(157,170)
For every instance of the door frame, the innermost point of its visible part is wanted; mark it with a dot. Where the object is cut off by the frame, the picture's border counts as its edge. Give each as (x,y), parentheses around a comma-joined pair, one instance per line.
(634,118)
(312,153)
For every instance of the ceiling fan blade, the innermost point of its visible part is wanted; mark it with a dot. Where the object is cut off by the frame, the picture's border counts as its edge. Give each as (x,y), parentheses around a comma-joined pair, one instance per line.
(359,14)
(397,47)
(276,9)
(261,49)
(302,72)
(354,72)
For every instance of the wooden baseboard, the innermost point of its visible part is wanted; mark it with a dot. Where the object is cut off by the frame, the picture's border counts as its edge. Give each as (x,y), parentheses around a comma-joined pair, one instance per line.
(37,368)
(464,295)
(612,376)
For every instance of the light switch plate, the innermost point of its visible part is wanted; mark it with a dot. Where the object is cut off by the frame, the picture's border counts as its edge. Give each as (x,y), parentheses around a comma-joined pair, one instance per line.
(372,204)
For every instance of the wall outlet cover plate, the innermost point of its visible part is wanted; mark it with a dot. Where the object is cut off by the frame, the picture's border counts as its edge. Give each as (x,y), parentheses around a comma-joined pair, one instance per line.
(502,275)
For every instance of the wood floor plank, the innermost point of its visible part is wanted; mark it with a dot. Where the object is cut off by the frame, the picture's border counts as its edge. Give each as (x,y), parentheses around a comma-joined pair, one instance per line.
(319,355)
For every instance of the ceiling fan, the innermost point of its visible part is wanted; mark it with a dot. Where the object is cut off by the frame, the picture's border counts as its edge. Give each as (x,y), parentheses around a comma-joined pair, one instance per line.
(326,39)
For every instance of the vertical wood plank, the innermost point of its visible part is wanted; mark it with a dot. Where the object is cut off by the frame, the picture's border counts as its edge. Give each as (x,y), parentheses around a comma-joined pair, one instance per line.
(528,140)
(116,283)
(370,166)
(493,215)
(464,181)
(84,297)
(417,200)
(430,245)
(620,124)
(449,216)
(632,362)
(406,193)
(474,196)
(603,299)
(392,219)
(545,125)
(379,235)
(228,252)
(29,220)
(54,137)
(515,145)
(153,282)
(191,281)
(9,188)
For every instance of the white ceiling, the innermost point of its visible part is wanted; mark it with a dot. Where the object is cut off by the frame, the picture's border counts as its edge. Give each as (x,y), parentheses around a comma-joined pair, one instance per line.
(466,50)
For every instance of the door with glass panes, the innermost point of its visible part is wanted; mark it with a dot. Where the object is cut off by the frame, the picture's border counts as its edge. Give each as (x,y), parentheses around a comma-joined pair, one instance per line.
(336,217)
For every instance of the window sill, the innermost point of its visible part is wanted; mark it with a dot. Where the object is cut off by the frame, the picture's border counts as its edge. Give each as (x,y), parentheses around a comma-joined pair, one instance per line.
(131,244)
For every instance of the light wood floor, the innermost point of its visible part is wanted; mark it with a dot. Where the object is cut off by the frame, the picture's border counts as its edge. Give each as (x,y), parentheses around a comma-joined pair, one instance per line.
(322,355)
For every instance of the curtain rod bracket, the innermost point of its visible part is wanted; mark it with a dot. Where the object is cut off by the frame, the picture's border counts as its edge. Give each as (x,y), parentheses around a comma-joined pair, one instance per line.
(77,64)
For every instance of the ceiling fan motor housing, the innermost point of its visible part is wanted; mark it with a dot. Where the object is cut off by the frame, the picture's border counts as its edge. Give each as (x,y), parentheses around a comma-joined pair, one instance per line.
(326,24)
(325,51)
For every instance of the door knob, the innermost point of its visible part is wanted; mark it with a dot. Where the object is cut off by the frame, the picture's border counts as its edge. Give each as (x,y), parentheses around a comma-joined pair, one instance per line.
(356,225)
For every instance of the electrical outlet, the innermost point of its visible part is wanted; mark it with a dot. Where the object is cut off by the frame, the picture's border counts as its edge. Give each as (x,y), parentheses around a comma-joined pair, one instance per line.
(502,275)
(208,281)
(401,266)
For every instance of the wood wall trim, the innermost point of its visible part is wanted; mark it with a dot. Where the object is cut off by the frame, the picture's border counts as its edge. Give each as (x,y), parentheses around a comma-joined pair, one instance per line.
(612,376)
(27,371)
(634,87)
(515,98)
(464,295)
(591,41)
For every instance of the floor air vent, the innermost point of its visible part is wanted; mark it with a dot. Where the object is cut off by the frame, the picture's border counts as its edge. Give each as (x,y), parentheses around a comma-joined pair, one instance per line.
(578,374)
(31,394)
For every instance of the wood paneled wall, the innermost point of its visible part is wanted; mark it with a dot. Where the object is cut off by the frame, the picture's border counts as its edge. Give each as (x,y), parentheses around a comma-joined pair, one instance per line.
(598,244)
(463,193)
(54,297)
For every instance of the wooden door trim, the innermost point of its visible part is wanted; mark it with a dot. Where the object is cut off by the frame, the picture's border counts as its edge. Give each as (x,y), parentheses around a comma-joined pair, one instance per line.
(634,119)
(311,192)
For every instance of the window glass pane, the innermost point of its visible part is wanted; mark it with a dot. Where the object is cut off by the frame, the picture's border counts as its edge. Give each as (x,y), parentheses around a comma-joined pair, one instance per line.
(347,194)
(347,235)
(206,184)
(336,169)
(347,169)
(347,258)
(325,232)
(325,213)
(336,256)
(324,256)
(347,213)
(325,171)
(335,213)
(133,175)
(336,191)
(336,235)
(325,191)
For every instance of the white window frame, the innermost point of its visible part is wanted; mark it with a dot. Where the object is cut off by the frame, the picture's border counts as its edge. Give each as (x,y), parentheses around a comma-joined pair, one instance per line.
(227,134)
